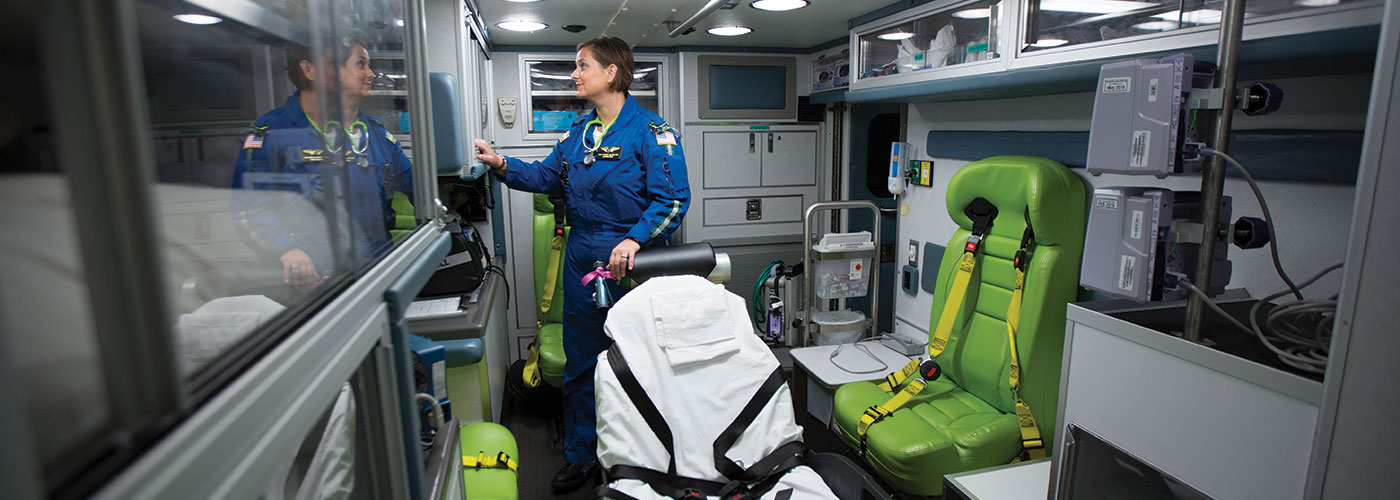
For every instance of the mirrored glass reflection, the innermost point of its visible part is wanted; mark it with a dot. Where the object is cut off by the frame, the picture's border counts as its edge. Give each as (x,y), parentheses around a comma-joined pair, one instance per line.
(283,160)
(1059,23)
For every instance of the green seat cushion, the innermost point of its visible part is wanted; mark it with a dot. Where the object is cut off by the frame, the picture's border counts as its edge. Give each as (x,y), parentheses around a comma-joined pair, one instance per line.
(944,428)
(966,419)
(489,483)
(551,343)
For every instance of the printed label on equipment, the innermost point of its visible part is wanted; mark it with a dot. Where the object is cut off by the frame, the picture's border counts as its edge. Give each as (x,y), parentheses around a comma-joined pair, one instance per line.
(1152,90)
(1137,155)
(1117,85)
(857,270)
(1136,229)
(440,380)
(1107,203)
(1125,272)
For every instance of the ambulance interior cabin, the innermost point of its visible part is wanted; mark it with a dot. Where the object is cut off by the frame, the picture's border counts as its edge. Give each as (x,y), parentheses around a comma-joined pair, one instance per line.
(961,249)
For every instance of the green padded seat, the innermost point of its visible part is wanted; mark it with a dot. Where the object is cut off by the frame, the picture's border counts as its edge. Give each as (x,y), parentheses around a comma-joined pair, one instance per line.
(551,334)
(966,419)
(488,483)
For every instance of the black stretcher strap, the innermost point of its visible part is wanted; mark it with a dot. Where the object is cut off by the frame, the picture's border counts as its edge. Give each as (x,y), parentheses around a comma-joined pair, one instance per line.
(643,403)
(736,428)
(753,482)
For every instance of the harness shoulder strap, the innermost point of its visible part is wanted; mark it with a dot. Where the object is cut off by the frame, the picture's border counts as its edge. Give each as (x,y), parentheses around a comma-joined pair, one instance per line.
(1030,433)
(982,213)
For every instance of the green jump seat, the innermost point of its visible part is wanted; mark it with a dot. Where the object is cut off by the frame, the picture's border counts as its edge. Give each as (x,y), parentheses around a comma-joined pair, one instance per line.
(966,419)
(549,337)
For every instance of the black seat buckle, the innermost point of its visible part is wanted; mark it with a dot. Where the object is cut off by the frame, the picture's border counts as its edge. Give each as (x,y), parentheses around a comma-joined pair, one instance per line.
(689,493)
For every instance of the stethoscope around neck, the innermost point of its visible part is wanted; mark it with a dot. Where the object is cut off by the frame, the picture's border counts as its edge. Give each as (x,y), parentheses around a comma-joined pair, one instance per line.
(337,137)
(587,138)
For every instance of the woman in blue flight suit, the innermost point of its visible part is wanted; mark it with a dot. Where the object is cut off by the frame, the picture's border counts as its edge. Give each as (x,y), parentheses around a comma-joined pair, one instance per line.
(625,188)
(292,149)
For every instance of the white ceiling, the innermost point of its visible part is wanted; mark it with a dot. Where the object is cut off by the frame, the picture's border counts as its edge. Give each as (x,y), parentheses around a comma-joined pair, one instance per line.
(642,22)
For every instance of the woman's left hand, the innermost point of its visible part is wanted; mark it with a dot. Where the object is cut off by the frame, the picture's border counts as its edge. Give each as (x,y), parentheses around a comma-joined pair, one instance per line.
(622,255)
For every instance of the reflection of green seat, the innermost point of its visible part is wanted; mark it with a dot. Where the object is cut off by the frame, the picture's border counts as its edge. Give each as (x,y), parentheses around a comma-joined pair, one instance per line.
(967,418)
(550,335)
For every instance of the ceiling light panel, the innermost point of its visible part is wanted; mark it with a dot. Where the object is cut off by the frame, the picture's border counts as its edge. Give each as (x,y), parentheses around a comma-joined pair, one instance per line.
(522,25)
(778,5)
(730,30)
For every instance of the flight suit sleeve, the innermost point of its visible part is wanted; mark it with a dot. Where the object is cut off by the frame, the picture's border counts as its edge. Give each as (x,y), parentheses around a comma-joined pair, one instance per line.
(536,177)
(667,186)
(254,211)
(400,167)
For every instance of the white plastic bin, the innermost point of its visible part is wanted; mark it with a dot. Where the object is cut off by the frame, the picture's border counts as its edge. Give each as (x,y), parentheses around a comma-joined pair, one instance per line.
(838,327)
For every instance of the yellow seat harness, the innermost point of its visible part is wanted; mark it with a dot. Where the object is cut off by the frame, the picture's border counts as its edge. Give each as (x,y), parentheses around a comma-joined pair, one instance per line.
(982,214)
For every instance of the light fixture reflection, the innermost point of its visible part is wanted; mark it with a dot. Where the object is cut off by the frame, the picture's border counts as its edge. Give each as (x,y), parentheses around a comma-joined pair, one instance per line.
(1316,3)
(730,30)
(1156,25)
(1046,43)
(1093,6)
(522,26)
(982,13)
(199,19)
(778,5)
(897,35)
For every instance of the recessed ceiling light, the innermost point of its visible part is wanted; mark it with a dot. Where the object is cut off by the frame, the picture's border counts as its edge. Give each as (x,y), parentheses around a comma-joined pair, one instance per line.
(1046,43)
(1317,3)
(778,5)
(525,26)
(1156,25)
(730,30)
(982,13)
(897,35)
(199,19)
(523,1)
(1093,6)
(398,22)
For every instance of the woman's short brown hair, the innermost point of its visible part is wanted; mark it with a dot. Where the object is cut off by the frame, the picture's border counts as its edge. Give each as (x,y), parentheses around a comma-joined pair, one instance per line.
(609,50)
(296,53)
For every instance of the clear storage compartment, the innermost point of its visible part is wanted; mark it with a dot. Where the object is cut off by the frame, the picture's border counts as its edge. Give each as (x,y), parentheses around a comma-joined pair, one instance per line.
(841,266)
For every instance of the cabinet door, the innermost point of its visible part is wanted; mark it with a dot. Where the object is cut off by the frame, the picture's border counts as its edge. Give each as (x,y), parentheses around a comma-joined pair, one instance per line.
(789,158)
(732,158)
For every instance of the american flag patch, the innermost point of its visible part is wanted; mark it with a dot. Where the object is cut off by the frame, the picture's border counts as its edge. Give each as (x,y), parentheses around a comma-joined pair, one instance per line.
(253,141)
(665,139)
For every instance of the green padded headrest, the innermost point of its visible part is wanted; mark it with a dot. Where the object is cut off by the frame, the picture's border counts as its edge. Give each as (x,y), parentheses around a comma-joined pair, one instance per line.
(542,204)
(1012,183)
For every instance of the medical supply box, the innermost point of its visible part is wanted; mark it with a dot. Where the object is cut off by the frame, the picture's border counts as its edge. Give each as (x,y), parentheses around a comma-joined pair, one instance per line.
(841,265)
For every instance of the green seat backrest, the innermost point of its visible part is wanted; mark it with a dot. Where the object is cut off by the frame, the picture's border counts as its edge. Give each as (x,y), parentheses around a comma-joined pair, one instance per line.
(977,357)
(543,232)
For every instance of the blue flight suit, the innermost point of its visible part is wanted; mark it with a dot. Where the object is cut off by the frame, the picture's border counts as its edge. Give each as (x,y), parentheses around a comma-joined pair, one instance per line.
(637,187)
(284,152)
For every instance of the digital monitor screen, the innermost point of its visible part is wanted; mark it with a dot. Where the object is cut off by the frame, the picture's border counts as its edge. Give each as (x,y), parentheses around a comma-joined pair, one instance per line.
(748,87)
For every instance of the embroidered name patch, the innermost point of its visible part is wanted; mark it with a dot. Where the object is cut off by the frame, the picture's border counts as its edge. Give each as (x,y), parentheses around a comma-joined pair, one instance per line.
(610,153)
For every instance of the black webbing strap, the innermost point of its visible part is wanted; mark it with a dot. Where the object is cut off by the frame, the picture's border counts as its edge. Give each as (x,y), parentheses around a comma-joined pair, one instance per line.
(1027,241)
(643,403)
(736,428)
(607,492)
(561,214)
(667,484)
